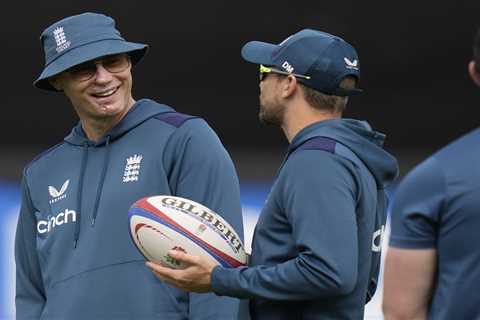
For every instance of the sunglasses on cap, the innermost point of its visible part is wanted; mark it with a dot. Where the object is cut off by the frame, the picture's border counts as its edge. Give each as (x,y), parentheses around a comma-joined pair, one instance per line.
(113,64)
(265,70)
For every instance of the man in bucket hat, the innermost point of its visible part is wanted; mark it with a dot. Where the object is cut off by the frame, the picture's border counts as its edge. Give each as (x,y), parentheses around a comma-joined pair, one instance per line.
(316,247)
(74,255)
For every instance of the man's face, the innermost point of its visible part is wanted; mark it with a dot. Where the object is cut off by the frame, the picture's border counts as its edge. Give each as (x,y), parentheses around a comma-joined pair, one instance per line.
(271,109)
(99,89)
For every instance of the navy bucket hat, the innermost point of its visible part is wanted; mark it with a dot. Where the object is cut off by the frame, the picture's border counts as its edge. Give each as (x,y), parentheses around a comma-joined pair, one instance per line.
(326,59)
(81,38)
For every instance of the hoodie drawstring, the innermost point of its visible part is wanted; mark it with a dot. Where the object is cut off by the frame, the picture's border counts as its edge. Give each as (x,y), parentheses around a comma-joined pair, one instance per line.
(102,180)
(79,195)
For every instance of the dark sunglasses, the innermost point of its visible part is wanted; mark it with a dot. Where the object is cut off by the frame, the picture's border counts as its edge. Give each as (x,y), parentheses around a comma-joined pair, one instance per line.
(265,70)
(113,64)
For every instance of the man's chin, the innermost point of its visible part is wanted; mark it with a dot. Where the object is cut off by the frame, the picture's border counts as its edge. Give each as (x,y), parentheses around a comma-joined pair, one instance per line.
(102,112)
(107,107)
(268,119)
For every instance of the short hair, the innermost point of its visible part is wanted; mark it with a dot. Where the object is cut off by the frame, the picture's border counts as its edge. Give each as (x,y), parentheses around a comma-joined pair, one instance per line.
(476,50)
(325,102)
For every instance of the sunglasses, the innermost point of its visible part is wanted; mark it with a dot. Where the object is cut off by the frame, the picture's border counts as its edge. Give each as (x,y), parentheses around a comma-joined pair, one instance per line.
(265,70)
(113,64)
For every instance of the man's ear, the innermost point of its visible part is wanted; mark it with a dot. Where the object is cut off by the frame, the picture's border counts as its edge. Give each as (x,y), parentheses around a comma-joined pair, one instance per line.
(290,86)
(55,82)
(474,74)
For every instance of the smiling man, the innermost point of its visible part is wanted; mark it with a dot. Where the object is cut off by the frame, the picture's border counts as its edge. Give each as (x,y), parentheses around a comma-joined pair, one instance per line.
(104,101)
(74,255)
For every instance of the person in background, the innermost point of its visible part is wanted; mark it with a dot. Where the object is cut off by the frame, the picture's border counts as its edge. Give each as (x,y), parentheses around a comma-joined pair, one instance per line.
(432,266)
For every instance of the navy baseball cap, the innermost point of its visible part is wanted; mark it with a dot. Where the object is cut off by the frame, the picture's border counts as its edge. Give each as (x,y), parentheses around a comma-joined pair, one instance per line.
(81,38)
(325,58)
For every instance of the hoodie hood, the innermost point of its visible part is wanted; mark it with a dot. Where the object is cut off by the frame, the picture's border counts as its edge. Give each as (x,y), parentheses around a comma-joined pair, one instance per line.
(359,137)
(141,111)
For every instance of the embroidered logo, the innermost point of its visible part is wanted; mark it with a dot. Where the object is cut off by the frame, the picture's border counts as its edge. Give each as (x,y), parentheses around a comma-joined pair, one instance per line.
(351,64)
(66,216)
(377,239)
(58,195)
(60,39)
(287,66)
(132,168)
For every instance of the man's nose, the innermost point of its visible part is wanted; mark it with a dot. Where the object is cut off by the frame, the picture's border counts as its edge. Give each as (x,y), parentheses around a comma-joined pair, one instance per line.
(102,74)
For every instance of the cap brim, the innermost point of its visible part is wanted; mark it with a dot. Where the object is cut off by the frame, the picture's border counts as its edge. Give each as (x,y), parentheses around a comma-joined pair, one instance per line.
(259,52)
(88,52)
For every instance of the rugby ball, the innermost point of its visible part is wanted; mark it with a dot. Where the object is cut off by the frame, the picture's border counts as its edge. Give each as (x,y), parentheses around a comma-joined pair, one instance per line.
(162,223)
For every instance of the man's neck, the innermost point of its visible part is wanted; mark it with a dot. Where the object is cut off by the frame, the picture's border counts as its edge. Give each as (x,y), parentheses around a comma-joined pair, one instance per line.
(96,129)
(296,119)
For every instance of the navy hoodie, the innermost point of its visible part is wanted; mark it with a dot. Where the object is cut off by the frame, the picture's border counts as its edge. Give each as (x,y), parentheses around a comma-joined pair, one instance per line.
(74,255)
(316,246)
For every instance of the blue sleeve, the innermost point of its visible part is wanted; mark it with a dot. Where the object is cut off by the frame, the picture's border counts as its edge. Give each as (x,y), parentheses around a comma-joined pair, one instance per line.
(416,207)
(318,194)
(204,172)
(30,293)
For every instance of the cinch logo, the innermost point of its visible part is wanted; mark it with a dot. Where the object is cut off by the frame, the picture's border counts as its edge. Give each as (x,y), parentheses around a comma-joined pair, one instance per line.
(58,195)
(44,226)
(377,244)
(60,39)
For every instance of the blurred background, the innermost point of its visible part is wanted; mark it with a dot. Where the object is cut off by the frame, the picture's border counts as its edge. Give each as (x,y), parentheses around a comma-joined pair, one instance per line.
(413,57)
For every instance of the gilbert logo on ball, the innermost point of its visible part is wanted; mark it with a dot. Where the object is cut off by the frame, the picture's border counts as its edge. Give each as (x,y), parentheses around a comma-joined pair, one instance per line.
(162,223)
